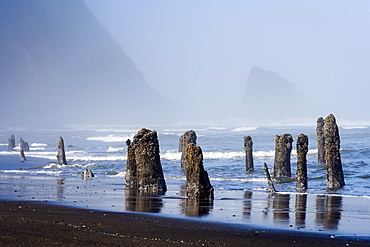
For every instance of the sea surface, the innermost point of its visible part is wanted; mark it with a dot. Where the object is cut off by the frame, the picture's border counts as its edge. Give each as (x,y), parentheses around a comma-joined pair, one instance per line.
(240,197)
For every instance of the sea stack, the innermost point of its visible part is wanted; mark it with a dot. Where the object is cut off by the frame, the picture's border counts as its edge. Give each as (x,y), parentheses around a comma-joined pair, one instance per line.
(61,152)
(198,186)
(11,142)
(248,148)
(320,140)
(283,149)
(143,167)
(301,174)
(334,177)
(187,138)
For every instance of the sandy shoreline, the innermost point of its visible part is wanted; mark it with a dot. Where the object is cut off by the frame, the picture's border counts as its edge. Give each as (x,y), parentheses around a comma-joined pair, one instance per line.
(30,223)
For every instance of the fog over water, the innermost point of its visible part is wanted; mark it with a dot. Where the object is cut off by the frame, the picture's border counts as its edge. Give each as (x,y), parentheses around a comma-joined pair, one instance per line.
(92,62)
(201,53)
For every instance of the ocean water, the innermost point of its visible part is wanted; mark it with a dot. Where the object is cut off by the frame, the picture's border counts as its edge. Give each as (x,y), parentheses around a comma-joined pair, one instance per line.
(240,197)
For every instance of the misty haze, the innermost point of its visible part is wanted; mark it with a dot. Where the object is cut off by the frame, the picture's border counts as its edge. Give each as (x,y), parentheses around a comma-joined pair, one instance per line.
(91,62)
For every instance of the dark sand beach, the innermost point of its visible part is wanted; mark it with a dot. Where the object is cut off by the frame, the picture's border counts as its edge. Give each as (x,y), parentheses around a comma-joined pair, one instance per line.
(42,224)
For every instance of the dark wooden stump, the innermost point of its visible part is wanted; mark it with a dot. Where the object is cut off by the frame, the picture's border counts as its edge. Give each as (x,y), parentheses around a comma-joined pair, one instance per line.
(283,149)
(198,185)
(143,168)
(334,177)
(320,137)
(301,174)
(188,137)
(61,156)
(248,148)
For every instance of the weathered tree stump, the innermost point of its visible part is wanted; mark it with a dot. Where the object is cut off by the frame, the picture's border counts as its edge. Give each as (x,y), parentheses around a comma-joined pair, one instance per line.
(87,173)
(61,156)
(24,145)
(334,177)
(188,137)
(198,185)
(301,174)
(248,148)
(320,138)
(21,154)
(143,167)
(11,142)
(283,149)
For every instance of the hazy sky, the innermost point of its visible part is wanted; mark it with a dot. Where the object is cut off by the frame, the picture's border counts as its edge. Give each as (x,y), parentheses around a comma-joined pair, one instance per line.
(202,51)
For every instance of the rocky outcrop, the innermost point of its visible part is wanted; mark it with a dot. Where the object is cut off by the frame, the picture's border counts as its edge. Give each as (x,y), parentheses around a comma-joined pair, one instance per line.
(187,138)
(301,174)
(248,148)
(11,142)
(143,167)
(269,96)
(61,156)
(320,138)
(283,149)
(24,145)
(198,186)
(334,177)
(63,49)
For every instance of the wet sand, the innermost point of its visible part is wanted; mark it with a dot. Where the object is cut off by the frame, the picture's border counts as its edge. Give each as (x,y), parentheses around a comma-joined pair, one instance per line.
(36,223)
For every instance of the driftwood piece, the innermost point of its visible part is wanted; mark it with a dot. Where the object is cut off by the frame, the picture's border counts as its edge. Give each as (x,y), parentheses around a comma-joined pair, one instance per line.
(269,180)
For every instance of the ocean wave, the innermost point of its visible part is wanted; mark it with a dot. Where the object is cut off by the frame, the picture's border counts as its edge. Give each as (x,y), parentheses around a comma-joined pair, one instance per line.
(39,144)
(113,149)
(78,166)
(33,172)
(244,129)
(109,138)
(354,127)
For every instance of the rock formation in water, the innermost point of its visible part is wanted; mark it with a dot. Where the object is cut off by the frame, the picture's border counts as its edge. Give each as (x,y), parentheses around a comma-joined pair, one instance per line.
(198,186)
(61,156)
(11,142)
(143,167)
(24,145)
(248,148)
(301,174)
(21,154)
(283,149)
(334,177)
(320,138)
(269,96)
(187,138)
(56,55)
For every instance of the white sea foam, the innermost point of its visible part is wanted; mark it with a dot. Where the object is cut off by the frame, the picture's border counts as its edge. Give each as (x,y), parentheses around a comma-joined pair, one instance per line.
(61,167)
(113,149)
(223,155)
(109,138)
(354,127)
(33,172)
(244,129)
(39,145)
(170,155)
